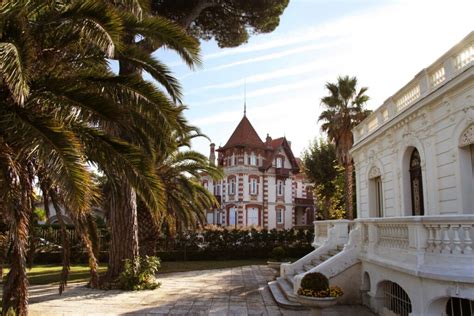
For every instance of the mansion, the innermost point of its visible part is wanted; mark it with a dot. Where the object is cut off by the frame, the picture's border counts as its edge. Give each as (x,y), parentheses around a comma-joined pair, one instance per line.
(410,250)
(262,186)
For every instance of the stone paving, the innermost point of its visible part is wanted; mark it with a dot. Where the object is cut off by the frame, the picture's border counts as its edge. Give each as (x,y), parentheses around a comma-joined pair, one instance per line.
(233,291)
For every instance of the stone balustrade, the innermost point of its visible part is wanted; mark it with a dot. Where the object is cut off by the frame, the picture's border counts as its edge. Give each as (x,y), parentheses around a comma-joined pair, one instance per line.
(420,243)
(456,60)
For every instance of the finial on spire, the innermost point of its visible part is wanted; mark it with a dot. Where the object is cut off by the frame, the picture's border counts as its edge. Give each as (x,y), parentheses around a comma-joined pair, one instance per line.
(245,97)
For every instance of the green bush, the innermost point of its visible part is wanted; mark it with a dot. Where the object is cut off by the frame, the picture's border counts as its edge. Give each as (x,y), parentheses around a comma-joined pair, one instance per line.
(277,254)
(315,281)
(140,275)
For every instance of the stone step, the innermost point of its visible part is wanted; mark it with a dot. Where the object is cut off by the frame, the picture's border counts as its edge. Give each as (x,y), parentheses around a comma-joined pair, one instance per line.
(300,271)
(287,288)
(334,252)
(325,257)
(316,262)
(340,247)
(308,267)
(281,299)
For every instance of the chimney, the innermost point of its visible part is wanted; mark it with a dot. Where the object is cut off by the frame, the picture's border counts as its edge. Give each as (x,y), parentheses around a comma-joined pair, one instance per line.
(212,155)
(268,139)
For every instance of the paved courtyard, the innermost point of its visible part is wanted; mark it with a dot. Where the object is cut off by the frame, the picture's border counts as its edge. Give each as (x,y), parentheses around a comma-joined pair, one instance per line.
(233,291)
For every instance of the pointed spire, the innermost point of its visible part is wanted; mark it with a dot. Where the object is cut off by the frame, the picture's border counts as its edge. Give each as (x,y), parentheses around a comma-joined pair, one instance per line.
(245,97)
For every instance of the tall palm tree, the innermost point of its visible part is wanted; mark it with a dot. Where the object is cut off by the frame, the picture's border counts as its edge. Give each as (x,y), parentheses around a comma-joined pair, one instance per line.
(344,110)
(59,100)
(121,196)
(185,199)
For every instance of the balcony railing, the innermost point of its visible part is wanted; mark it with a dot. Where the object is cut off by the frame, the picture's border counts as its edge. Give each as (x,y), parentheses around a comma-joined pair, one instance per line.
(282,172)
(304,202)
(451,64)
(425,244)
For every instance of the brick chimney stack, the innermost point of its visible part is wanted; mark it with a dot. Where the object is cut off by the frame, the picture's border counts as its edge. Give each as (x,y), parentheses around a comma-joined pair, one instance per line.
(212,155)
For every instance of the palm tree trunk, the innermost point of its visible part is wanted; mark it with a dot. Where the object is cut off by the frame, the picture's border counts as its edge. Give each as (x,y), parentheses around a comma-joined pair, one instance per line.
(349,189)
(123,229)
(147,231)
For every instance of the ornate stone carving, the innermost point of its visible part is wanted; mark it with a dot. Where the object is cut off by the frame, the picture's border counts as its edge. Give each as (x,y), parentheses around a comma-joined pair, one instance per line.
(467,137)
(374,172)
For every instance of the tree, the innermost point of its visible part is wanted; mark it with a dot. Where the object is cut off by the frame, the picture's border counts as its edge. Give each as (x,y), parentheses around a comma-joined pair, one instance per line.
(59,103)
(344,110)
(121,201)
(229,22)
(186,199)
(321,167)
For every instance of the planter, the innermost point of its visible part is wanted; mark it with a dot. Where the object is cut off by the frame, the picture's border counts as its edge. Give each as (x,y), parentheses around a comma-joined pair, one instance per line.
(316,304)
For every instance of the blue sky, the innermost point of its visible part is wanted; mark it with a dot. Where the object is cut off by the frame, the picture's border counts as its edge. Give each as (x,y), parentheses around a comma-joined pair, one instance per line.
(383,43)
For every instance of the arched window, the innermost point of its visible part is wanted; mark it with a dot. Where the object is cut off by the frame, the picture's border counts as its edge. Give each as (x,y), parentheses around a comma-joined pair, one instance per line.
(396,299)
(375,193)
(416,184)
(466,160)
(459,307)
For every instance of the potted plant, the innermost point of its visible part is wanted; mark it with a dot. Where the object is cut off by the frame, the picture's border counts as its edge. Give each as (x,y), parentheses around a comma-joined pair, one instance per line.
(316,293)
(277,258)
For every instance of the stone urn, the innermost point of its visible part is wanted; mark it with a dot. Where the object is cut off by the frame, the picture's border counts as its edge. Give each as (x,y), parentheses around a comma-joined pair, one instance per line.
(316,304)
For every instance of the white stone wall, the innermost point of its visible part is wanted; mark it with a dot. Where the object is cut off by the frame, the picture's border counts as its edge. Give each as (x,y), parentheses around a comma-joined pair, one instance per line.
(434,127)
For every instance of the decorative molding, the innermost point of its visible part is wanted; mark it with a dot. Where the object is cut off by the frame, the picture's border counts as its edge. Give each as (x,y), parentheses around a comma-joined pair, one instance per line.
(467,137)
(374,172)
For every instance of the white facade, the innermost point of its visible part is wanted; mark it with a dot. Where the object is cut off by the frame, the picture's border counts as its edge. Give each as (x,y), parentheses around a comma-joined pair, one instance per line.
(411,248)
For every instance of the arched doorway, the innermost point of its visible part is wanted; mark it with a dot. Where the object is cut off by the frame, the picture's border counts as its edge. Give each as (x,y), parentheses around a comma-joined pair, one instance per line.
(416,184)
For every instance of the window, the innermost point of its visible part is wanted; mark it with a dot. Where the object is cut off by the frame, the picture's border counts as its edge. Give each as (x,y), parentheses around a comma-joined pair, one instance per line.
(416,183)
(253,186)
(252,216)
(459,306)
(232,160)
(253,159)
(279,162)
(232,186)
(217,189)
(280,188)
(279,216)
(396,299)
(205,185)
(231,219)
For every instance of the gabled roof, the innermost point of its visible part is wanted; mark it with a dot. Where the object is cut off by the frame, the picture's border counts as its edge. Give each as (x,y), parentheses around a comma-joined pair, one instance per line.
(244,135)
(275,144)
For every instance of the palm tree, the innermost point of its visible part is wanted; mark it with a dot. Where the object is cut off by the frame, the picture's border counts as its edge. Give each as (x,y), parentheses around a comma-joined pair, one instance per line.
(122,195)
(59,100)
(185,198)
(344,110)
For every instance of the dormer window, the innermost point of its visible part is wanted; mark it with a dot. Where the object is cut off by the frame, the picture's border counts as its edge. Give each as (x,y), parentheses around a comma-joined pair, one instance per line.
(253,159)
(279,162)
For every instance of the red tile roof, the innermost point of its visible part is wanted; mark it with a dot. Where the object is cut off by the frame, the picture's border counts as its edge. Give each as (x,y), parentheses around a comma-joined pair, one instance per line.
(244,135)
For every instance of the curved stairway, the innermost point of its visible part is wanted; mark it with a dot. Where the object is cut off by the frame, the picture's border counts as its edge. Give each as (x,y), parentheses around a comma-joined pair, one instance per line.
(283,288)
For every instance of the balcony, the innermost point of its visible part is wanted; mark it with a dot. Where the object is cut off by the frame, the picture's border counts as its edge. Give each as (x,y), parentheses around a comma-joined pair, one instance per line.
(425,245)
(456,61)
(304,202)
(282,172)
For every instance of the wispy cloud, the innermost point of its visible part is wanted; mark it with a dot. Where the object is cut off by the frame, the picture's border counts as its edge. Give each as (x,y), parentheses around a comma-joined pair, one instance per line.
(271,56)
(297,70)
(272,90)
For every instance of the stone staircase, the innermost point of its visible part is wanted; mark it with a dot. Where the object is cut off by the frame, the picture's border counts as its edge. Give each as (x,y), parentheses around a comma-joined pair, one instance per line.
(282,288)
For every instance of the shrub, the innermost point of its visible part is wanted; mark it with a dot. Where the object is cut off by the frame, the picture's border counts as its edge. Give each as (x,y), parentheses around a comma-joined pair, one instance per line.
(315,281)
(140,275)
(316,284)
(277,254)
